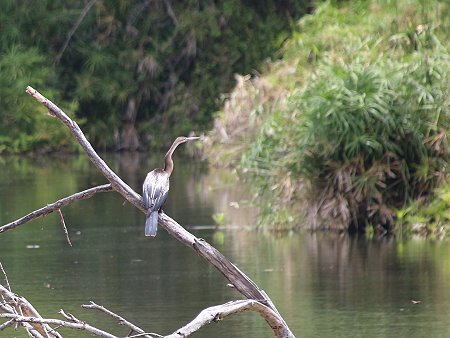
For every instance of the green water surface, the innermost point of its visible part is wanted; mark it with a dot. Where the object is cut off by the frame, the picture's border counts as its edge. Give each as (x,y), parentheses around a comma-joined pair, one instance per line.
(324,285)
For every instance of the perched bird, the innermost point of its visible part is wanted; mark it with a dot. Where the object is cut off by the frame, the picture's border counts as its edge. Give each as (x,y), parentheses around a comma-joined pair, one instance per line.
(156,187)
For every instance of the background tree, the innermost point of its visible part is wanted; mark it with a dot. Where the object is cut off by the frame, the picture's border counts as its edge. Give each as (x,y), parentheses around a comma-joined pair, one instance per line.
(145,70)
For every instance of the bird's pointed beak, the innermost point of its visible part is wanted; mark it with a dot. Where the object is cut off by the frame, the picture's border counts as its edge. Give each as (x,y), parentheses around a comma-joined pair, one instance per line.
(192,138)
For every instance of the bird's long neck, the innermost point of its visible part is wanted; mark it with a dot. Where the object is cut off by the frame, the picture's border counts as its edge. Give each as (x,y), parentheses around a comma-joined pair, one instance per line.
(168,162)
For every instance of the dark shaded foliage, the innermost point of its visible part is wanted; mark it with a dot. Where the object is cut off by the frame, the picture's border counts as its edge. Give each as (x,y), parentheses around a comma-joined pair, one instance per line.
(135,71)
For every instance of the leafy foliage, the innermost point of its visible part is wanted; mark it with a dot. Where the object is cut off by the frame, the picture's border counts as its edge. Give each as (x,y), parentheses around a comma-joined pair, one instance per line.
(430,219)
(361,127)
(370,142)
(21,128)
(133,70)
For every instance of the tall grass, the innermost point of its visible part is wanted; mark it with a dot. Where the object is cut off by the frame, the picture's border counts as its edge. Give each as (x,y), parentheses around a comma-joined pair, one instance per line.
(362,128)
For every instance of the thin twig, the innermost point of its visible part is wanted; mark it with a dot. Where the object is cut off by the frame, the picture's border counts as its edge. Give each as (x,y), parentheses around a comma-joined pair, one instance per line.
(79,326)
(6,277)
(66,233)
(6,307)
(49,208)
(74,28)
(120,319)
(6,324)
(70,317)
(151,334)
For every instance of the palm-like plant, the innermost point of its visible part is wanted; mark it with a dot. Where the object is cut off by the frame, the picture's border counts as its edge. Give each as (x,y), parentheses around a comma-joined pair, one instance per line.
(373,137)
(367,138)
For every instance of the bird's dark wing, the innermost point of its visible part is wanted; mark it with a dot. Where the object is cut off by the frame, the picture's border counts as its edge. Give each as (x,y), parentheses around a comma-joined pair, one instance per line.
(155,189)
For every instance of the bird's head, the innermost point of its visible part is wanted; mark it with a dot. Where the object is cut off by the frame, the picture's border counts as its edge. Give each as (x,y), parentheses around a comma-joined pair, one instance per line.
(183,139)
(168,166)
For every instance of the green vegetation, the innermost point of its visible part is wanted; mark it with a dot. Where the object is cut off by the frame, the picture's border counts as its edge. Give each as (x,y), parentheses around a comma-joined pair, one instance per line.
(133,72)
(431,219)
(21,127)
(356,123)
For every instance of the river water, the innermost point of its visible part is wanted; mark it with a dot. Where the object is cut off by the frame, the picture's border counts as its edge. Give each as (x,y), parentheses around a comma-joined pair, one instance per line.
(324,285)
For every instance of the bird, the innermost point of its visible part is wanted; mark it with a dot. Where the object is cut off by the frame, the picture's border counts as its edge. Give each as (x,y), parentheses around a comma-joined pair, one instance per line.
(156,187)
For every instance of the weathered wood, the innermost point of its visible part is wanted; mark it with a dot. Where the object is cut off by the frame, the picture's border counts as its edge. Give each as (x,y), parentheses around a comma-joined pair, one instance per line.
(18,306)
(120,319)
(49,208)
(116,182)
(240,281)
(219,312)
(44,321)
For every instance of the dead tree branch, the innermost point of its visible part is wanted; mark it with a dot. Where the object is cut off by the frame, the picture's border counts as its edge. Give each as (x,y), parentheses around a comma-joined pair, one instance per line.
(121,320)
(6,276)
(219,312)
(43,321)
(117,184)
(49,208)
(240,281)
(18,310)
(16,306)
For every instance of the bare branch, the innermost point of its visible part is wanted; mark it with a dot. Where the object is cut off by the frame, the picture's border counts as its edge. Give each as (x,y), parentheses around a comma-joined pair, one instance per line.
(6,324)
(236,277)
(19,310)
(121,320)
(19,306)
(79,326)
(31,331)
(70,317)
(146,334)
(74,28)
(117,184)
(6,277)
(82,195)
(66,233)
(219,312)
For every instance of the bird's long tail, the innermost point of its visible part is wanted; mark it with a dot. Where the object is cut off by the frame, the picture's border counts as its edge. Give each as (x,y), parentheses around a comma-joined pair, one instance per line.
(151,223)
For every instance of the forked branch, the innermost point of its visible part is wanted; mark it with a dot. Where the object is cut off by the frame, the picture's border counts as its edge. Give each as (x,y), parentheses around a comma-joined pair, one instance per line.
(18,310)
(49,208)
(15,306)
(235,276)
(120,319)
(219,312)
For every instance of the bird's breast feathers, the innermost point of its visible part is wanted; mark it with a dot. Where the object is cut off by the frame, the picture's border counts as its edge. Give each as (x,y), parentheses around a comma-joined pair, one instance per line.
(155,187)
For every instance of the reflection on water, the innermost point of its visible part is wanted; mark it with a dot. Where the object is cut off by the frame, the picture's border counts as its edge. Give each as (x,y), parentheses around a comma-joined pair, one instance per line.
(323,285)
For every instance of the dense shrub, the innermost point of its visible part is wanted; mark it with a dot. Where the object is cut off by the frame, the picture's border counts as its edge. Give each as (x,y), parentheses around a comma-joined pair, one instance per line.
(372,137)
(430,219)
(363,128)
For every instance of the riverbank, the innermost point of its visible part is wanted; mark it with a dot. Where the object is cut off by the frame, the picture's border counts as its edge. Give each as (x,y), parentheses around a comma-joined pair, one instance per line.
(349,131)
